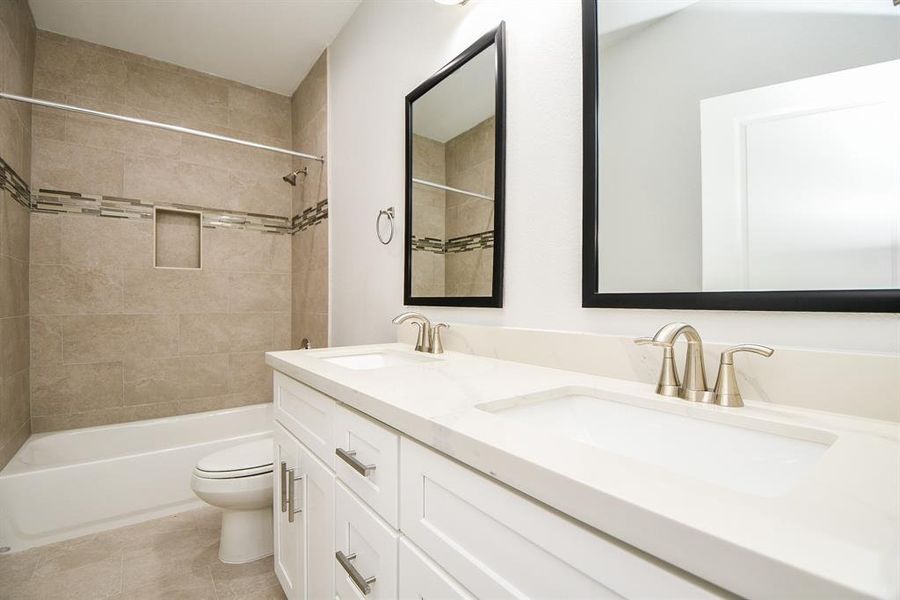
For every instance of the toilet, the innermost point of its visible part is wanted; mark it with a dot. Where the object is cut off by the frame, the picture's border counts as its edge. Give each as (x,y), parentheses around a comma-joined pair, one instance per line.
(239,481)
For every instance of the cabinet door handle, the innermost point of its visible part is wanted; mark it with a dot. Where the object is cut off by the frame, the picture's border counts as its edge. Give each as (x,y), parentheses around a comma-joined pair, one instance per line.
(292,495)
(363,583)
(284,486)
(349,457)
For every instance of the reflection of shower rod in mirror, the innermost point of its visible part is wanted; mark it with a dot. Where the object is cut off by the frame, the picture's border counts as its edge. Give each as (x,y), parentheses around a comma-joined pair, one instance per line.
(450,189)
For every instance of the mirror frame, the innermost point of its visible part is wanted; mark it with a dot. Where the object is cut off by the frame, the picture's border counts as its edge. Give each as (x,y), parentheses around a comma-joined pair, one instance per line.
(494,37)
(873,301)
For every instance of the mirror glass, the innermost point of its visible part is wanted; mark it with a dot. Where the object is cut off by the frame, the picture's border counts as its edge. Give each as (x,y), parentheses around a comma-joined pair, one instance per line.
(453,147)
(748,145)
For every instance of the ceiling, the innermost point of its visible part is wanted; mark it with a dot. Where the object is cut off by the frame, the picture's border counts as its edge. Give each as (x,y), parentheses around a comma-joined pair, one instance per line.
(269,44)
(461,101)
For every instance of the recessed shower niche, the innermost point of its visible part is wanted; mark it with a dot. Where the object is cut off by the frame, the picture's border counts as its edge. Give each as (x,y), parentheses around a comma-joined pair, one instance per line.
(177,238)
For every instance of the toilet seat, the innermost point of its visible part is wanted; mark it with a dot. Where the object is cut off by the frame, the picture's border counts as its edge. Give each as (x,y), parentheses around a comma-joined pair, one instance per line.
(243,460)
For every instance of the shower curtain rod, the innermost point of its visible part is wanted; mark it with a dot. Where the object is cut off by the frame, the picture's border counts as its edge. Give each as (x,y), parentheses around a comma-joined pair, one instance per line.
(166,126)
(450,189)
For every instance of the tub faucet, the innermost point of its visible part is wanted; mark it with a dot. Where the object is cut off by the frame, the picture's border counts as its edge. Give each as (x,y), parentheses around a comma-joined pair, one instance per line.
(423,339)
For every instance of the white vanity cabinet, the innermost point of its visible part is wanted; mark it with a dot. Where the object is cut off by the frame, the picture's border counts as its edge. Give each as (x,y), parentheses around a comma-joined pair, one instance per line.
(304,517)
(379,516)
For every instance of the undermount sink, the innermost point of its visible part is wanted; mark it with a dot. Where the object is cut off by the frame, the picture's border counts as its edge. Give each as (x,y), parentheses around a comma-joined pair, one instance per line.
(376,360)
(724,449)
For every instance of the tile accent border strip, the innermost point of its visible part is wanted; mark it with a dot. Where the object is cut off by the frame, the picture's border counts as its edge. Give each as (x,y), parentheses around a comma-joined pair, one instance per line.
(58,201)
(465,243)
(310,217)
(55,201)
(15,185)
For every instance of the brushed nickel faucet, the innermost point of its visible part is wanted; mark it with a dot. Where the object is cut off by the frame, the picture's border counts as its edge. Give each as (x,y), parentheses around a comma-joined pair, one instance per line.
(429,336)
(693,387)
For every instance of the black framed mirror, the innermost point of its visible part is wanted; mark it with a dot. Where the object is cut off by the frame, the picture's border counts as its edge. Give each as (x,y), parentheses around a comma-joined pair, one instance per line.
(455,165)
(741,155)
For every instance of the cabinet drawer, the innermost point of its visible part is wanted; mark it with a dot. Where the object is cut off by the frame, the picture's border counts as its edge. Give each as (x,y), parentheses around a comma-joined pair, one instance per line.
(498,544)
(365,548)
(366,459)
(422,579)
(306,413)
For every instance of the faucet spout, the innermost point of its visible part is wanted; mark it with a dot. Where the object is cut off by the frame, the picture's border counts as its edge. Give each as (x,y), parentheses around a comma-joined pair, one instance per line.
(423,339)
(693,384)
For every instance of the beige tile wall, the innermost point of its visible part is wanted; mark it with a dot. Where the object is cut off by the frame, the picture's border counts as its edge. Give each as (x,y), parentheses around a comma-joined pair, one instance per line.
(465,162)
(429,209)
(470,166)
(17,35)
(114,339)
(309,293)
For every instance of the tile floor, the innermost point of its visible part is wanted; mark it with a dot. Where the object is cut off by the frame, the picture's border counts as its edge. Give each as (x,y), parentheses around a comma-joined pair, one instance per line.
(174,557)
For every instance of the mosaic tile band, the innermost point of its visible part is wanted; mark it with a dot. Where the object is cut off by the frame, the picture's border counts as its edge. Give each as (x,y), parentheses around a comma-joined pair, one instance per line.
(56,201)
(465,243)
(12,183)
(310,217)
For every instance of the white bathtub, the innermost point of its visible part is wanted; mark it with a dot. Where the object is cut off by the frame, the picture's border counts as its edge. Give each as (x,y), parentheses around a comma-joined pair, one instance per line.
(65,484)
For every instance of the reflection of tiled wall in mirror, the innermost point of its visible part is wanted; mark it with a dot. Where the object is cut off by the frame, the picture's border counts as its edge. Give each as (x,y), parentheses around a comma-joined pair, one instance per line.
(453,247)
(428,218)
(470,167)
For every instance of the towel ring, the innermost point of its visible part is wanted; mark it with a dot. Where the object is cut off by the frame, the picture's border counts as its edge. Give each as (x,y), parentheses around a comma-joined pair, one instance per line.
(389,213)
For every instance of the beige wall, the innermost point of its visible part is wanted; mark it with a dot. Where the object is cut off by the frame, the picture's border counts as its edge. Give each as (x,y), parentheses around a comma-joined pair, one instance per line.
(309,253)
(429,216)
(464,162)
(114,339)
(470,166)
(16,59)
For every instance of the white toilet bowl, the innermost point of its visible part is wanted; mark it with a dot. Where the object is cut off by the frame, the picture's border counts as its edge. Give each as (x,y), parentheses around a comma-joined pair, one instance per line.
(239,481)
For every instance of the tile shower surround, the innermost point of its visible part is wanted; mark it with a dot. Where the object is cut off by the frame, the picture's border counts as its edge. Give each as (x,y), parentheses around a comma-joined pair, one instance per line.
(17,50)
(112,338)
(309,251)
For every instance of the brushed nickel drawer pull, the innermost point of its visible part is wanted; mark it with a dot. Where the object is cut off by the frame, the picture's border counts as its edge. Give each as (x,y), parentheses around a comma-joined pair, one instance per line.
(292,496)
(284,491)
(363,583)
(349,457)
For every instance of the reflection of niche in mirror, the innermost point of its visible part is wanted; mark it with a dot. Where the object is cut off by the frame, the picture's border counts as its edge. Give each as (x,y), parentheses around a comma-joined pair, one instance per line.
(453,233)
(649,207)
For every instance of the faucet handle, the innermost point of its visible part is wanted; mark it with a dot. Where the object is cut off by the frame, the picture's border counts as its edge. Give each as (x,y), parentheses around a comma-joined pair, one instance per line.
(669,383)
(727,391)
(437,346)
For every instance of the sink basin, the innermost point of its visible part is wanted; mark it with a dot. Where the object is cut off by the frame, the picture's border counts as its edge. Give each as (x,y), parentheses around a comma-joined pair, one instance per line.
(743,454)
(376,360)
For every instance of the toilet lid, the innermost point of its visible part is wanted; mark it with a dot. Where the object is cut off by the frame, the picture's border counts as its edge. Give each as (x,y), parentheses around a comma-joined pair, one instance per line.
(250,458)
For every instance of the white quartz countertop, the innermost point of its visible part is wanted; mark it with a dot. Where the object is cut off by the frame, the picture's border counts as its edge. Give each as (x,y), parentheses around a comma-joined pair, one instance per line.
(834,533)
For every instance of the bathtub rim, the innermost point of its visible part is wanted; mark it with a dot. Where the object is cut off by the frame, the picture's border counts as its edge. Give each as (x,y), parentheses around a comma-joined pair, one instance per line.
(16,466)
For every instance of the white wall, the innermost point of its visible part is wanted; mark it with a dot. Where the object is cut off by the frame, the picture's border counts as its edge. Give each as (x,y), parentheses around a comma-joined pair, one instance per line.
(389,47)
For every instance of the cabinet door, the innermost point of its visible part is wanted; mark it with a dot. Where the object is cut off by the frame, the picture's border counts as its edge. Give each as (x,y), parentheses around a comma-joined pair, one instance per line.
(289,564)
(317,505)
(499,544)
(365,550)
(422,579)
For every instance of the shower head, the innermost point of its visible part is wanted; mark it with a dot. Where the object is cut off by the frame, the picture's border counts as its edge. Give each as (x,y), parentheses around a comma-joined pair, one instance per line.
(291,178)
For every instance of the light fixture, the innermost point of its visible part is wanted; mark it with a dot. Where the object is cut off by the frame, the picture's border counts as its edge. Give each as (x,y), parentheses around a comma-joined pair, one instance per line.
(451,2)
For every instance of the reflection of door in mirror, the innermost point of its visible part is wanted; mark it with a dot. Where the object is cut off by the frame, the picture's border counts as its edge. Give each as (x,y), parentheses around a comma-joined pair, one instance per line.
(805,201)
(453,145)
(801,182)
